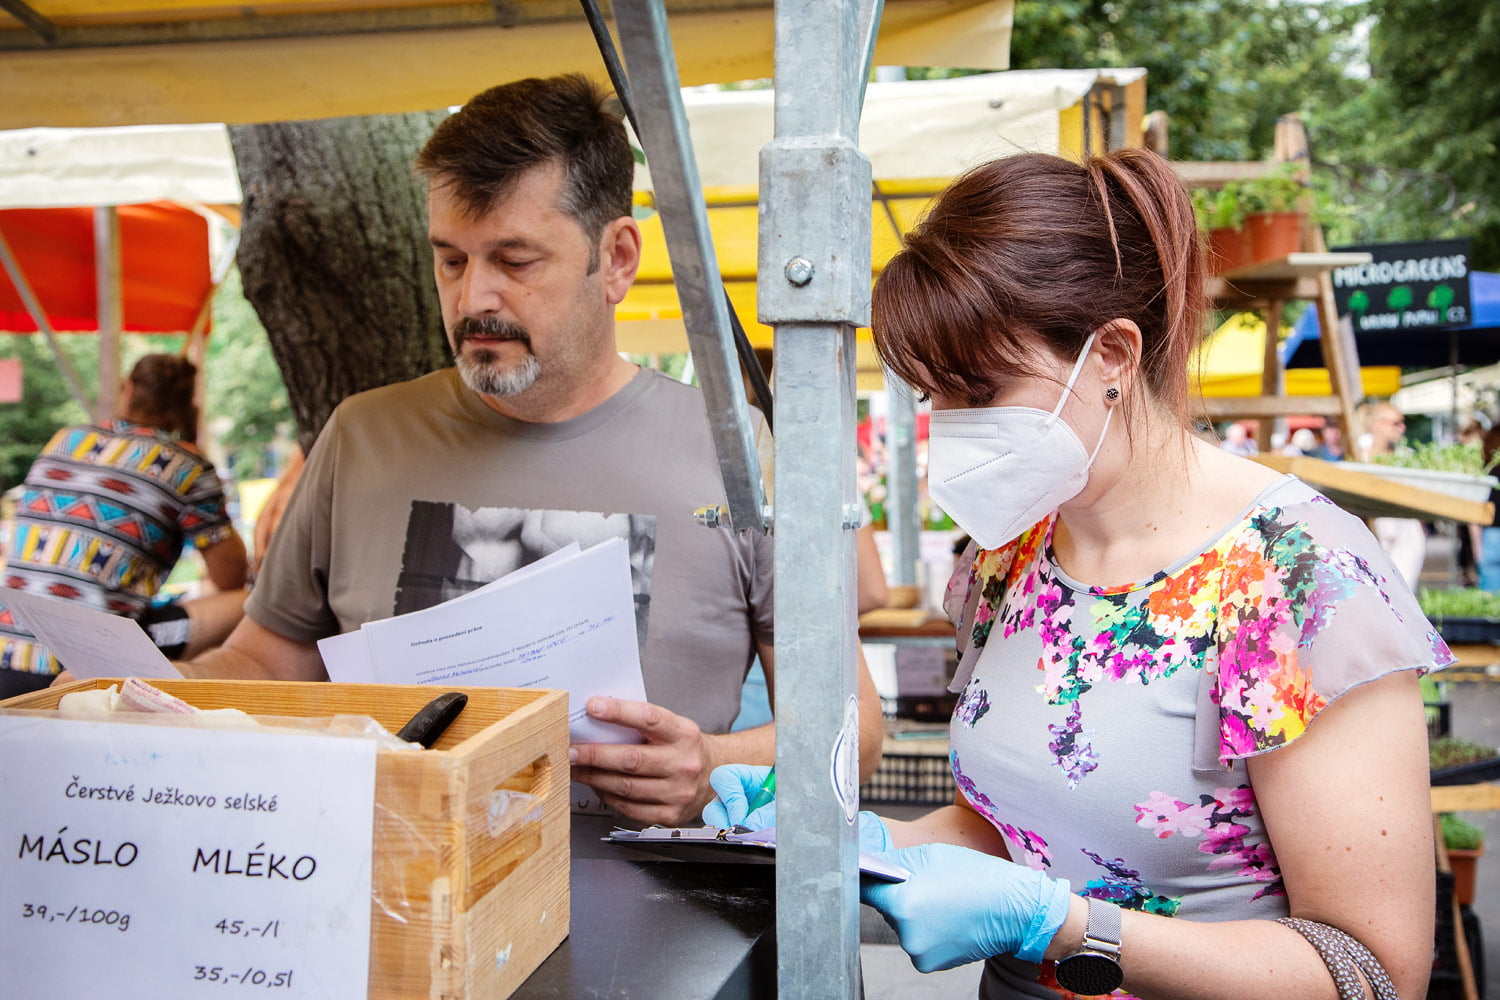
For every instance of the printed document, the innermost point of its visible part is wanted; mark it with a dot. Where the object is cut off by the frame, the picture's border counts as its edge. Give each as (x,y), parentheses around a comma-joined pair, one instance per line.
(89,642)
(565,622)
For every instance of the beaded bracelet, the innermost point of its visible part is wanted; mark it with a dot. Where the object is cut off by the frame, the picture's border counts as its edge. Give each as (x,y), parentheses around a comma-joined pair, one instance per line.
(1346,958)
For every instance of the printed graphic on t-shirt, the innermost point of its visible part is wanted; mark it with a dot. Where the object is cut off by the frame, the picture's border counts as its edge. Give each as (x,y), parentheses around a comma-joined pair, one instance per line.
(451,549)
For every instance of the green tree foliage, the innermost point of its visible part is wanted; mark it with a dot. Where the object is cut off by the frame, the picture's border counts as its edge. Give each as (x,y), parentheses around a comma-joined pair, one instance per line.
(244,396)
(45,402)
(1223,70)
(1401,99)
(1430,116)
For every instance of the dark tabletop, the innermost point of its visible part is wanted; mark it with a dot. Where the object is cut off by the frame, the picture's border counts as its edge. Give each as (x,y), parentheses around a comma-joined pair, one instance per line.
(648,927)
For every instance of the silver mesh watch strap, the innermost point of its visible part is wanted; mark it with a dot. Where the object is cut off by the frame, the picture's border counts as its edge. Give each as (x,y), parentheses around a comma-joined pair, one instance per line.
(1094,969)
(1102,930)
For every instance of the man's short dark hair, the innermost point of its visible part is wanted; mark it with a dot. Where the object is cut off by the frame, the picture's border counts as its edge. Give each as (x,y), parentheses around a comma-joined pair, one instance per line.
(480,152)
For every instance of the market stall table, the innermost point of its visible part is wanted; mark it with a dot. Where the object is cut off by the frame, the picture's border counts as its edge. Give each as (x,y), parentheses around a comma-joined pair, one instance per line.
(1367,495)
(644,926)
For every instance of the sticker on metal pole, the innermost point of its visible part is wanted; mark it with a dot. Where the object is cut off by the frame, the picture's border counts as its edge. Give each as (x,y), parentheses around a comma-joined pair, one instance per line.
(845,762)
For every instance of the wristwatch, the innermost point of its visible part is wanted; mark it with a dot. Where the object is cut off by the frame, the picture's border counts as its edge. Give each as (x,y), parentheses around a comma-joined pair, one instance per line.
(1094,969)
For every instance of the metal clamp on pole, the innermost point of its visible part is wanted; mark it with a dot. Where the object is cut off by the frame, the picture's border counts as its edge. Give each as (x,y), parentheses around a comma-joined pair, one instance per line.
(812,189)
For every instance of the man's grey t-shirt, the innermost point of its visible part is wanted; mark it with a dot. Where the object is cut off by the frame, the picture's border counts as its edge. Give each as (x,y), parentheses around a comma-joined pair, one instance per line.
(417,492)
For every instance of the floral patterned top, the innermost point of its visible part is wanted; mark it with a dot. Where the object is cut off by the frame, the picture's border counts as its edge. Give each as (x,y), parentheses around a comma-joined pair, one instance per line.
(1117,760)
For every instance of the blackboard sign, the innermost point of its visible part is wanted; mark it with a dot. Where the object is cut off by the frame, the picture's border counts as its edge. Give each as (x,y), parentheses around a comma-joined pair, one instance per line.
(1406,286)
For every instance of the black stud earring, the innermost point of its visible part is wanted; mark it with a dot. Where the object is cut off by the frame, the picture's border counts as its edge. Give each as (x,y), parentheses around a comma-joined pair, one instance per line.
(1112,394)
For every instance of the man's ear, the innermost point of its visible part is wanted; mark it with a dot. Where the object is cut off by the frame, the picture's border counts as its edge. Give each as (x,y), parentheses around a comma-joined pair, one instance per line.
(619,257)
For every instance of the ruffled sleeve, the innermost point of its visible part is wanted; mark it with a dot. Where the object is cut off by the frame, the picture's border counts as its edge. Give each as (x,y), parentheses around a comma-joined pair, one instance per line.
(1309,608)
(975,590)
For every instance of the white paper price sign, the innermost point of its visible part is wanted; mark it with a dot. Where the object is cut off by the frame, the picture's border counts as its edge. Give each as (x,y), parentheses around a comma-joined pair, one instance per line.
(153,861)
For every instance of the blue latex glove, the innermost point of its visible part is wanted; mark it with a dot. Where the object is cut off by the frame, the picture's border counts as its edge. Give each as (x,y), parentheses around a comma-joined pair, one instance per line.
(736,786)
(960,906)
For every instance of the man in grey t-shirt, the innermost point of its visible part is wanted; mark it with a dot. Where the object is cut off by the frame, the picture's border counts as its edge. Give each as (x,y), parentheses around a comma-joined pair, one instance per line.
(417,491)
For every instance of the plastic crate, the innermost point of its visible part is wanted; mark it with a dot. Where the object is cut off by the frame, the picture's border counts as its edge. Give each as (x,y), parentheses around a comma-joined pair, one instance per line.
(1447,978)
(1439,719)
(910,779)
(923,707)
(1468,774)
(1468,630)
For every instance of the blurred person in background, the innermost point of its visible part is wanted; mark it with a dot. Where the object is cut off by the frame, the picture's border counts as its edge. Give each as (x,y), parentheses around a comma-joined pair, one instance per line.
(1470,536)
(1303,442)
(1237,441)
(104,515)
(1402,538)
(1488,553)
(1331,448)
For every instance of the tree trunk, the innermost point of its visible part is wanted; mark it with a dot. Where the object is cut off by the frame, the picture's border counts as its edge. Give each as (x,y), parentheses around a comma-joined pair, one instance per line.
(334,255)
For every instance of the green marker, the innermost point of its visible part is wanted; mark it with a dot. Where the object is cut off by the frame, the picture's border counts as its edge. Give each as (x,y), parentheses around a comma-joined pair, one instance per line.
(766,794)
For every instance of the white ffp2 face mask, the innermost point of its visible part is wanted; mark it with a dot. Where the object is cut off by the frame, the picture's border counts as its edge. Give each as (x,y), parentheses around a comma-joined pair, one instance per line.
(997,470)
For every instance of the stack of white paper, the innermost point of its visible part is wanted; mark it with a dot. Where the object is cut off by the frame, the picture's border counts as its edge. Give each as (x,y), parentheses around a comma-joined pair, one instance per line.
(566,621)
(88,641)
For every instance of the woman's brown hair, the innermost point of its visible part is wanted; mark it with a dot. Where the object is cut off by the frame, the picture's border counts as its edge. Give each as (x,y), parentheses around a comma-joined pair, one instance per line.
(161,395)
(1036,246)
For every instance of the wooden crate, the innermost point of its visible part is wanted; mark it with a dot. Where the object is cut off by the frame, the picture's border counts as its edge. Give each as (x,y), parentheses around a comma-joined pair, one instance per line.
(465,903)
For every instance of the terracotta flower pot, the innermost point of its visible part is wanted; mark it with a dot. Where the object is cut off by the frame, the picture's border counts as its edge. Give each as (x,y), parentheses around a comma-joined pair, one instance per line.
(1274,234)
(1228,250)
(1465,863)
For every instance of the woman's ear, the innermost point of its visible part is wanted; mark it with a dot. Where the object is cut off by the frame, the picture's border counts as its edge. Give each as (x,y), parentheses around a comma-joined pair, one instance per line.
(1119,345)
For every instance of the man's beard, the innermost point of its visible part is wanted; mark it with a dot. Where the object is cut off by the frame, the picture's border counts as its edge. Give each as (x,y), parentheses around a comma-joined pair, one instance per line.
(482,369)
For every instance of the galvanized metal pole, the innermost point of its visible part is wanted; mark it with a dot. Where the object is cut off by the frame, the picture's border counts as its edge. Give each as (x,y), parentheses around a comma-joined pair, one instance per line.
(695,270)
(111,308)
(901,516)
(814,287)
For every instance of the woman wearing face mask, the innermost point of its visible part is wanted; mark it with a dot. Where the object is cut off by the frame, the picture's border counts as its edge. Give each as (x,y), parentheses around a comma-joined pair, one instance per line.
(1190,747)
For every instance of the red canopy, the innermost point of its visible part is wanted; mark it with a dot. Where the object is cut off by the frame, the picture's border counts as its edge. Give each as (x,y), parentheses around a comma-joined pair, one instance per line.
(164,267)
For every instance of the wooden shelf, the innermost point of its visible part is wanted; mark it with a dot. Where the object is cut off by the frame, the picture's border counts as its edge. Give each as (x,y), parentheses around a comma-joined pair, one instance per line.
(1367,495)
(1483,797)
(1240,407)
(1294,276)
(1295,265)
(1471,657)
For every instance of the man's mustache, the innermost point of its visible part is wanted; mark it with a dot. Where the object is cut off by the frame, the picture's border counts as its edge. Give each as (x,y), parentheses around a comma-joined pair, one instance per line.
(490,327)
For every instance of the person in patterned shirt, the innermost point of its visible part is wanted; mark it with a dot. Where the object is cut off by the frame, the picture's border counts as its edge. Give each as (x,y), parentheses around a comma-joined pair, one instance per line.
(106,511)
(1189,718)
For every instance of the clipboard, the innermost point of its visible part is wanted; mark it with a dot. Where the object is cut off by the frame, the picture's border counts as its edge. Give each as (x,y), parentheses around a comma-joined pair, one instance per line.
(682,841)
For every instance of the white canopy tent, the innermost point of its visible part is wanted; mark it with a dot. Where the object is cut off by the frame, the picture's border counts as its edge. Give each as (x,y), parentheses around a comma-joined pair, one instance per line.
(914,129)
(128,165)
(918,134)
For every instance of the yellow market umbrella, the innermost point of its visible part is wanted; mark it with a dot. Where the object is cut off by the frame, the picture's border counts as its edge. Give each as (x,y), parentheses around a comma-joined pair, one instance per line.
(1231,360)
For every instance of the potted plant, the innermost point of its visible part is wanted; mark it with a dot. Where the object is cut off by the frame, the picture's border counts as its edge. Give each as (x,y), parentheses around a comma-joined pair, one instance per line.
(1274,215)
(1462,614)
(1461,762)
(1465,845)
(1222,217)
(1457,470)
